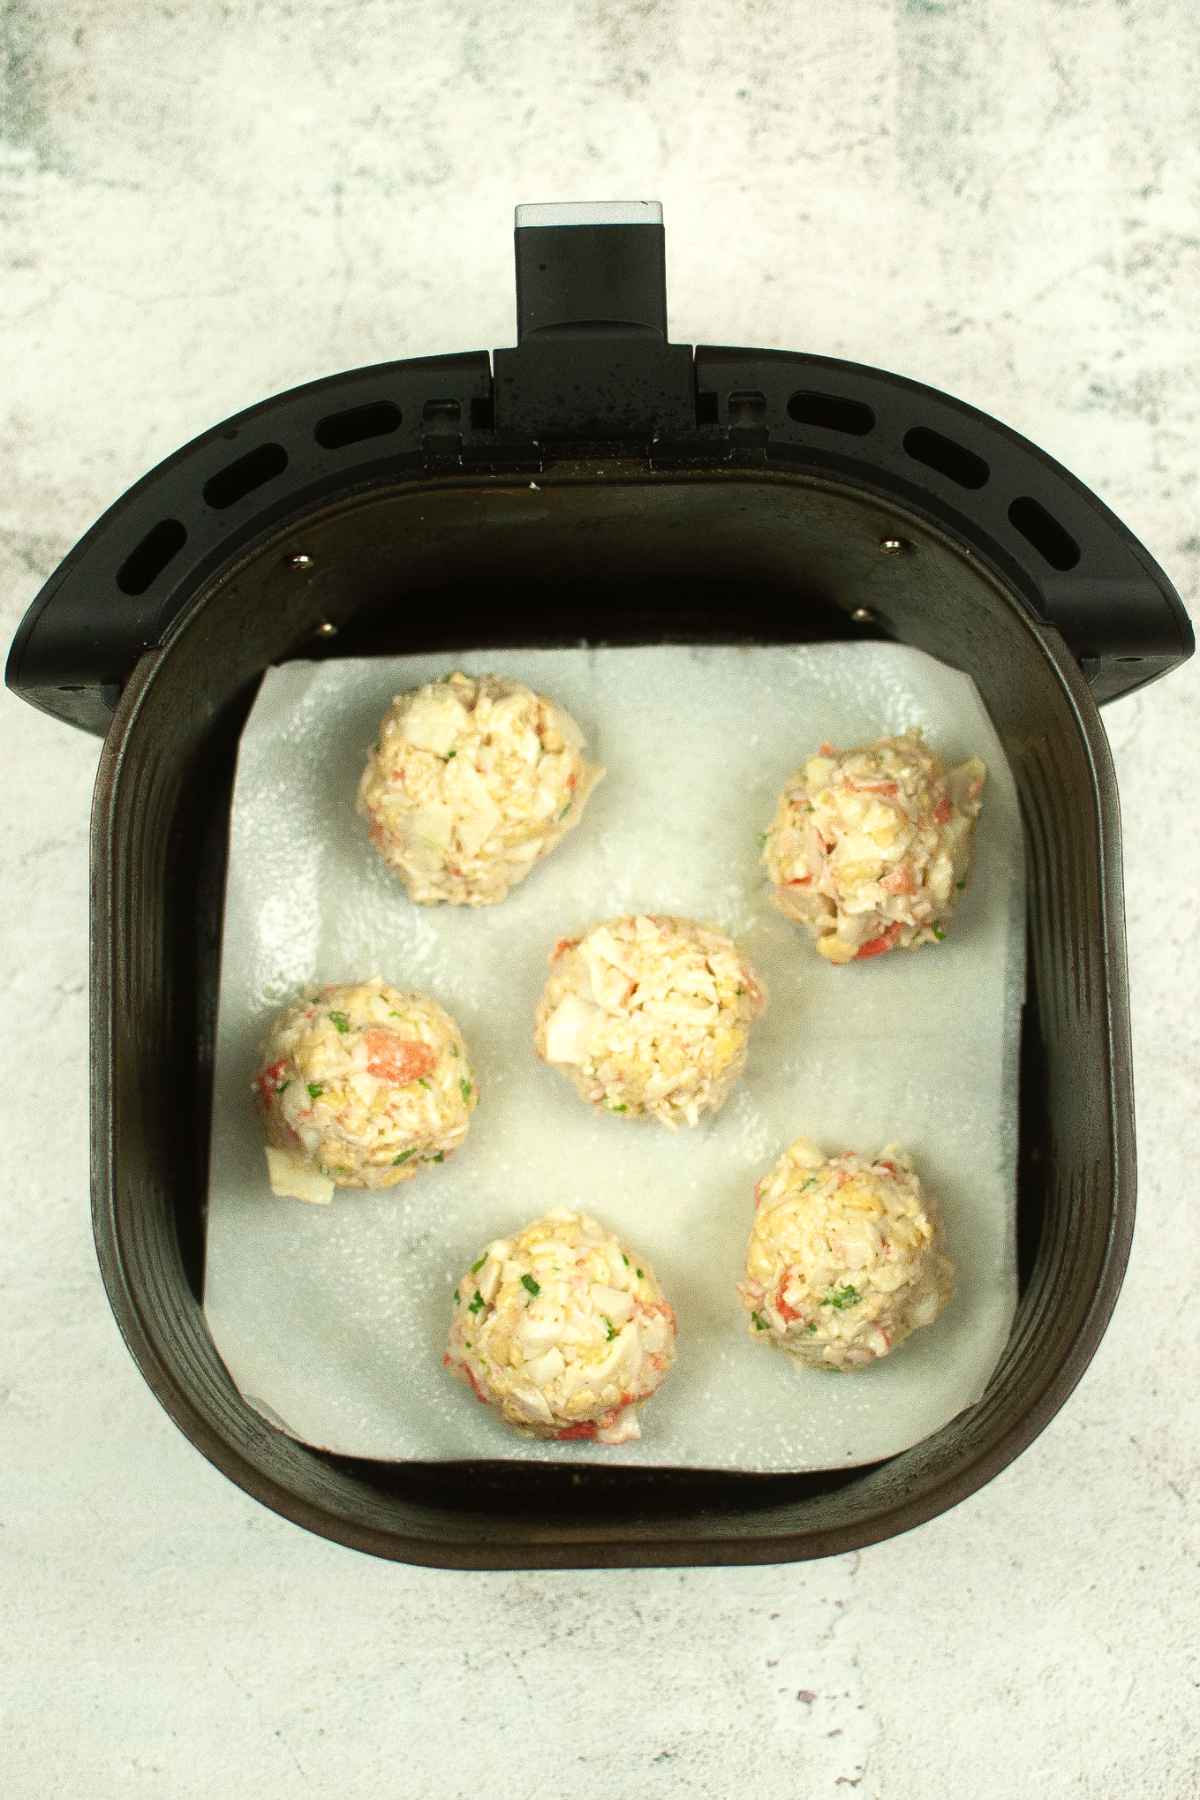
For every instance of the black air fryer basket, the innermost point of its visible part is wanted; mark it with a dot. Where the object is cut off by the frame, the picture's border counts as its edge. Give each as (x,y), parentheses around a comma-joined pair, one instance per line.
(598,483)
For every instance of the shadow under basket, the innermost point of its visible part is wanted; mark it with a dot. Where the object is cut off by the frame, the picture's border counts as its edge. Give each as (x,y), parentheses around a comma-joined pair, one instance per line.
(746,519)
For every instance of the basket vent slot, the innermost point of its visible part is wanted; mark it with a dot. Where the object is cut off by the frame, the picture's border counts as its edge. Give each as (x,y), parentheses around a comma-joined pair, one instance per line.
(378,418)
(952,460)
(831,412)
(1052,541)
(145,564)
(251,471)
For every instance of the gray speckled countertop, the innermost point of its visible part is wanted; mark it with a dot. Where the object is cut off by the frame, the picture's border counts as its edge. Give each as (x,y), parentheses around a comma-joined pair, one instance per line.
(201,204)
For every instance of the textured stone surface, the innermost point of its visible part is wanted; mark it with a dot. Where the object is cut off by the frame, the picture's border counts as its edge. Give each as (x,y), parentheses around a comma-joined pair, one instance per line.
(200,204)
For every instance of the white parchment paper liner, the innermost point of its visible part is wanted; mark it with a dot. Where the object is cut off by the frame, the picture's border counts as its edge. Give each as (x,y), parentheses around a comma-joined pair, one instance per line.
(332,1320)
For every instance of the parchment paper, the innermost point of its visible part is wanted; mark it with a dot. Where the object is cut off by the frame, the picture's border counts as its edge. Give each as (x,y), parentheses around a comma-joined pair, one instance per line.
(332,1320)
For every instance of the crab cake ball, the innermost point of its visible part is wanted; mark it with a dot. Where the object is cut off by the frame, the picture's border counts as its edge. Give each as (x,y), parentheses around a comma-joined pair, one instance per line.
(869,848)
(649,1016)
(471,783)
(563,1329)
(845,1258)
(360,1086)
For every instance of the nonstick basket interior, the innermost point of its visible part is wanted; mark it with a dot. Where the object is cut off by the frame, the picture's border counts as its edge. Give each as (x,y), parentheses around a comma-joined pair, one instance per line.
(606,552)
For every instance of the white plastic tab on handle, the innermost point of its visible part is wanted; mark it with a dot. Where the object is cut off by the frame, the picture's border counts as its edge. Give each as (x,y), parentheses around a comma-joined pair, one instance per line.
(591,212)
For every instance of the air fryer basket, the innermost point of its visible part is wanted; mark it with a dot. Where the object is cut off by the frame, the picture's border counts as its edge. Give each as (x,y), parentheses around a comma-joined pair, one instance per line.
(603,485)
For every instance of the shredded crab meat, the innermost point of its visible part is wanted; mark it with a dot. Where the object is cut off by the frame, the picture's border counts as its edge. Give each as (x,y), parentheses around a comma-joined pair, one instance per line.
(870,848)
(471,782)
(563,1329)
(649,1016)
(361,1085)
(845,1258)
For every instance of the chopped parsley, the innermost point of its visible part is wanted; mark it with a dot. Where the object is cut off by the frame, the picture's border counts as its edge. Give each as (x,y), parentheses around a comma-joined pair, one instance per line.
(456,1296)
(562,815)
(440,1157)
(404,1156)
(477,1303)
(393,1014)
(960,885)
(812,1328)
(465,1089)
(315,1090)
(760,1324)
(613,1107)
(739,992)
(612,1330)
(938,933)
(422,1081)
(640,1275)
(476,1266)
(282,1085)
(450,755)
(624,1259)
(530,1285)
(340,1020)
(841,1298)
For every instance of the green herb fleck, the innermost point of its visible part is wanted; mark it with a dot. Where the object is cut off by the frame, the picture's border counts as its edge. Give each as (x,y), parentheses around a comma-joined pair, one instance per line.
(612,1330)
(450,755)
(456,1296)
(454,1049)
(562,815)
(640,1275)
(938,933)
(530,1285)
(393,1014)
(624,1259)
(315,1090)
(739,992)
(340,1020)
(808,806)
(960,885)
(422,1081)
(476,1266)
(477,1303)
(812,1328)
(612,1107)
(465,1090)
(440,1157)
(760,1324)
(841,1298)
(404,1156)
(282,1085)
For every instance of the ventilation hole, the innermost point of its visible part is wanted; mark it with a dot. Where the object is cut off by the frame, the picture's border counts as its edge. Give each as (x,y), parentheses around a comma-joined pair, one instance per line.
(706,409)
(483,414)
(244,475)
(441,412)
(1050,539)
(145,564)
(947,457)
(831,412)
(747,408)
(377,419)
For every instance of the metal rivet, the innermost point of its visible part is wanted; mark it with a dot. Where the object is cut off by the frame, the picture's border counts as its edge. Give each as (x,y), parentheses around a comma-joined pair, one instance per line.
(300,561)
(891,546)
(326,630)
(862,615)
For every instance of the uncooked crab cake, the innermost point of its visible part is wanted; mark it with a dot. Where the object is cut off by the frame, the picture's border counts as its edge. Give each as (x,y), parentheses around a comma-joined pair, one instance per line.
(360,1086)
(563,1329)
(649,1016)
(471,782)
(845,1257)
(869,848)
